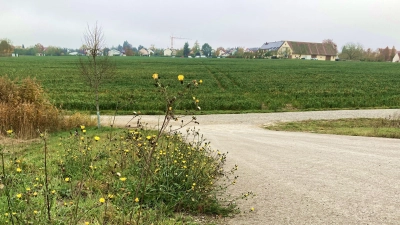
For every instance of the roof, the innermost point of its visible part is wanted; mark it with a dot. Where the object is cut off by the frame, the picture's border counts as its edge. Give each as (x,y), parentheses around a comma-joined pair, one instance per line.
(272,46)
(308,48)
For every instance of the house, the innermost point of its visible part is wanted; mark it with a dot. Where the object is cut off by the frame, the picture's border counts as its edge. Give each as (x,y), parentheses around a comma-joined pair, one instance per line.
(146,52)
(73,53)
(301,50)
(114,52)
(167,52)
(143,52)
(396,57)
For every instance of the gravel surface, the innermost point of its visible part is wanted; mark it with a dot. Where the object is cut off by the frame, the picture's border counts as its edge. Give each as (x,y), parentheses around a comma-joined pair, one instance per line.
(304,178)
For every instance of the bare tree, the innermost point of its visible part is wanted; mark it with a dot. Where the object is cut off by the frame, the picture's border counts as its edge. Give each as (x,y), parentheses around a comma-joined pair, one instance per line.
(95,68)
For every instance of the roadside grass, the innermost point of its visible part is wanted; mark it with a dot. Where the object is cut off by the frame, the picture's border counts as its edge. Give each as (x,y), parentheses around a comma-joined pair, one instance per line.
(101,182)
(87,175)
(369,127)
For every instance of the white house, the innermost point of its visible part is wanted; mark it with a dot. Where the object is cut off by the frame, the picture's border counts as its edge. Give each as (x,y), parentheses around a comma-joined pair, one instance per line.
(396,57)
(114,52)
(167,52)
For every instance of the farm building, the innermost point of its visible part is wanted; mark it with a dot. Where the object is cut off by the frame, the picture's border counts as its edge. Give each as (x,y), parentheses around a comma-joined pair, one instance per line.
(396,57)
(301,50)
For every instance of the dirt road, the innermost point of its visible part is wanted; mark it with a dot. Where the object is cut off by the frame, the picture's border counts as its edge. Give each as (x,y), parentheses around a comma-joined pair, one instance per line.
(304,178)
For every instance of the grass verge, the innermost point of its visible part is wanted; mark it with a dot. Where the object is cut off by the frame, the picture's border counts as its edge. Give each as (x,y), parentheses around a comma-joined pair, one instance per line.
(103,176)
(382,127)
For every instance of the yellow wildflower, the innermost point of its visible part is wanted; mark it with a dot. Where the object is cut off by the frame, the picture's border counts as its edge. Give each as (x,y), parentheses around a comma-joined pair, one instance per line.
(136,199)
(122,179)
(67,179)
(19,195)
(200,81)
(53,191)
(35,212)
(97,138)
(28,189)
(84,131)
(82,127)
(155,76)
(180,78)
(102,200)
(35,193)
(252,209)
(86,223)
(19,170)
(110,196)
(9,131)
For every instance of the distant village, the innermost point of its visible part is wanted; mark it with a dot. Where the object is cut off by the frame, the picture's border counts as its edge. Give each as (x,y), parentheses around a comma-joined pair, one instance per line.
(326,50)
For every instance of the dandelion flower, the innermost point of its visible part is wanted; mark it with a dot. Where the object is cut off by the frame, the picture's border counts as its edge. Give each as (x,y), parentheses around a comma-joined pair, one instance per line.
(82,127)
(110,196)
(28,189)
(86,223)
(10,132)
(97,138)
(53,191)
(180,78)
(170,108)
(148,137)
(35,212)
(136,199)
(252,209)
(84,131)
(67,179)
(200,81)
(122,179)
(197,101)
(102,200)
(35,193)
(155,76)
(19,195)
(19,170)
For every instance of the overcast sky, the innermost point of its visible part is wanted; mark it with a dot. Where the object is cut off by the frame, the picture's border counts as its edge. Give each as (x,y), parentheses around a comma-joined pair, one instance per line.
(226,23)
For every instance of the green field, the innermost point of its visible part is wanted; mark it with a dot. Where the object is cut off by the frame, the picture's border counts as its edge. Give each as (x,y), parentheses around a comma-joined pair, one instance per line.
(229,85)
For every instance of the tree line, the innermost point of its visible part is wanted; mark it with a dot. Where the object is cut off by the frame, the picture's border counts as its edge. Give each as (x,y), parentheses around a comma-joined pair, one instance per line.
(355,51)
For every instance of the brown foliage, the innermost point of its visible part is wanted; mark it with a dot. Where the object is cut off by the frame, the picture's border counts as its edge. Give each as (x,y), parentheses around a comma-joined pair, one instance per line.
(25,109)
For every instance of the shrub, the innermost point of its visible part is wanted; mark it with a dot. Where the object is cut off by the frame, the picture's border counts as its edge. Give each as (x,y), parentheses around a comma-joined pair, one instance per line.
(25,109)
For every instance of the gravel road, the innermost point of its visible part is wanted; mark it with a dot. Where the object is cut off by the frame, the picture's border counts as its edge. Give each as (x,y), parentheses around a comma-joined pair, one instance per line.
(305,178)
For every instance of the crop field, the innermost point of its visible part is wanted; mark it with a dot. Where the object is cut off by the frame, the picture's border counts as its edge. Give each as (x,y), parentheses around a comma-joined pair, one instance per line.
(229,85)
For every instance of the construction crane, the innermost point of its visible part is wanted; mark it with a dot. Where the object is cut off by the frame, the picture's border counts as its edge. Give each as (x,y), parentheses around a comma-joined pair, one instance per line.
(172,40)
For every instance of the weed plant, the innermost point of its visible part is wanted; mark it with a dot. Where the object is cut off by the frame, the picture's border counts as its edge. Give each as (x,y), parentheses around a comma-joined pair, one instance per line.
(118,176)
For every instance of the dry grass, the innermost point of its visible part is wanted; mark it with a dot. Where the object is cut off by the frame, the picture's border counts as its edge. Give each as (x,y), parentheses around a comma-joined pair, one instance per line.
(25,109)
